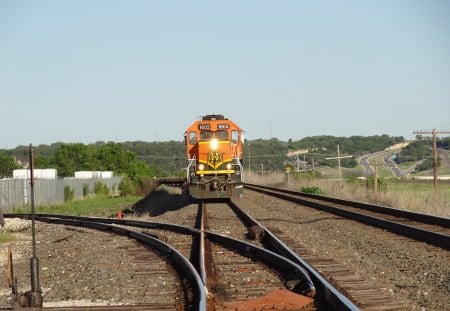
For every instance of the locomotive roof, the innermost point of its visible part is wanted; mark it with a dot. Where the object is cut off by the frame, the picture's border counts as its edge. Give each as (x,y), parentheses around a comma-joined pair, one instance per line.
(213,117)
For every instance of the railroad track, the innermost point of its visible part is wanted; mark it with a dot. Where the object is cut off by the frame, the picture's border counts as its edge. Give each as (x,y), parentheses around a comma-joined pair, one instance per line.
(150,263)
(193,282)
(234,279)
(267,246)
(419,227)
(337,287)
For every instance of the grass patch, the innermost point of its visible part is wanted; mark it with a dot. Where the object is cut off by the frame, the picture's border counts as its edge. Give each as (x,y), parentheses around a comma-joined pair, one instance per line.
(90,206)
(312,190)
(383,171)
(405,165)
(418,188)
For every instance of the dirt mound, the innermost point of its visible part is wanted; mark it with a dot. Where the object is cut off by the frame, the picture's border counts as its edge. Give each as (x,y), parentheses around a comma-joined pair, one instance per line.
(276,300)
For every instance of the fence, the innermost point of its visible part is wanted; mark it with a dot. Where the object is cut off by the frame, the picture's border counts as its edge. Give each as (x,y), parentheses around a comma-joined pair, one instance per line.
(16,192)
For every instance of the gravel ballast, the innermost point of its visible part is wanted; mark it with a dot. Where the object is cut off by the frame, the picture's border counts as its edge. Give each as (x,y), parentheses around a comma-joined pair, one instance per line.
(414,273)
(81,266)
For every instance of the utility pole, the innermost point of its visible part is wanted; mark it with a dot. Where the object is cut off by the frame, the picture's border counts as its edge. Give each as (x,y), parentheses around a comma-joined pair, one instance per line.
(375,180)
(249,157)
(339,162)
(434,132)
(32,298)
(376,176)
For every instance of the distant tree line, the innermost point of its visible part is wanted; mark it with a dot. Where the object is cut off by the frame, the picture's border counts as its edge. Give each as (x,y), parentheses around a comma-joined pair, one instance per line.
(271,154)
(136,159)
(71,157)
(161,159)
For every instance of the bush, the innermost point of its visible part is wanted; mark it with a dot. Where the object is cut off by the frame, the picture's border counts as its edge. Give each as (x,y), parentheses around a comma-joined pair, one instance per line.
(427,164)
(85,190)
(101,189)
(381,182)
(354,180)
(69,194)
(127,187)
(313,190)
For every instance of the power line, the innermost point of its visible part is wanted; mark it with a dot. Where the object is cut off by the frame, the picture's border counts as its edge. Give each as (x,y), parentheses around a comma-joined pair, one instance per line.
(159,157)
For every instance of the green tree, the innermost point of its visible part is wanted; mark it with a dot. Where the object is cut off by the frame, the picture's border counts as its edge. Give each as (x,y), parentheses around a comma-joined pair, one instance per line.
(41,162)
(112,157)
(427,164)
(137,170)
(70,158)
(415,151)
(127,187)
(7,165)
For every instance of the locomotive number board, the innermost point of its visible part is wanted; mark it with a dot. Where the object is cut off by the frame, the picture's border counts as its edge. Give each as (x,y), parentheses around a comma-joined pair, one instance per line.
(207,127)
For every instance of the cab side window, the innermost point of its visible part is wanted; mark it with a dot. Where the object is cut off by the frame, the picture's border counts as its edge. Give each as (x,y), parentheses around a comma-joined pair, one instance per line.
(192,138)
(234,137)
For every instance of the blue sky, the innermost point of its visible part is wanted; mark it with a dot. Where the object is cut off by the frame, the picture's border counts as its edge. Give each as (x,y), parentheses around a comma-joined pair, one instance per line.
(84,71)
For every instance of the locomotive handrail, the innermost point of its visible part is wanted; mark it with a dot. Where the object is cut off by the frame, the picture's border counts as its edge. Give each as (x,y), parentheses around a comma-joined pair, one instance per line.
(191,161)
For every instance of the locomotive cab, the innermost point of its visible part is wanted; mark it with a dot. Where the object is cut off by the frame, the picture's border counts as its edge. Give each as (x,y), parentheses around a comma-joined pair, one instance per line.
(214,153)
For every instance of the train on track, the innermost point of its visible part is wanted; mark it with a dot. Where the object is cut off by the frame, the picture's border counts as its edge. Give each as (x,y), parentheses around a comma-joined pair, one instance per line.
(214,152)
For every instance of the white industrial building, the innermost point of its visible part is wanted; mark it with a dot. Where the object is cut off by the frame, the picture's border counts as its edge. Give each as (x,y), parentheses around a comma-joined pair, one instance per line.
(93,174)
(46,173)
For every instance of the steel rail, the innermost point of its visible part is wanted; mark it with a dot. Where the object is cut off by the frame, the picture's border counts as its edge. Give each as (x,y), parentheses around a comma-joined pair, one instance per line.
(185,269)
(423,218)
(418,234)
(328,291)
(249,250)
(202,268)
(116,221)
(290,270)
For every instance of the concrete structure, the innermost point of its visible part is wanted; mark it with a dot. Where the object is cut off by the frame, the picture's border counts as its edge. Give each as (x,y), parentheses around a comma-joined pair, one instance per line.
(93,174)
(47,173)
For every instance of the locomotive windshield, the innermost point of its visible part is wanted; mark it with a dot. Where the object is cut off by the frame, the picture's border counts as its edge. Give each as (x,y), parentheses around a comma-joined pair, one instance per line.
(219,135)
(206,135)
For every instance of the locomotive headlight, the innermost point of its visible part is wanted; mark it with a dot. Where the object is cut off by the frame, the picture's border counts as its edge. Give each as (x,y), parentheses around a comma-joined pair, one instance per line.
(229,166)
(214,144)
(201,167)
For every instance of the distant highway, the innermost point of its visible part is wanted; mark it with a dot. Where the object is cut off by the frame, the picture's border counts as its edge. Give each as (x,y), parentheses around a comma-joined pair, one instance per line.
(385,159)
(395,170)
(367,168)
(444,157)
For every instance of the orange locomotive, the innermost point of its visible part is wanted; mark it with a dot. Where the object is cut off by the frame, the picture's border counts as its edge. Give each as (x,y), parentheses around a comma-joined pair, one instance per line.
(214,152)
